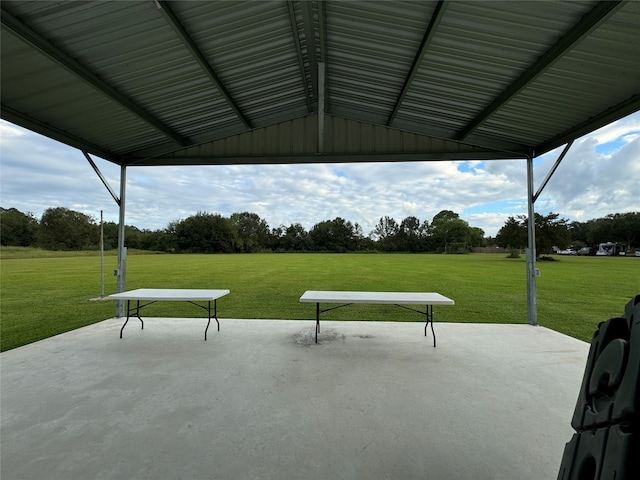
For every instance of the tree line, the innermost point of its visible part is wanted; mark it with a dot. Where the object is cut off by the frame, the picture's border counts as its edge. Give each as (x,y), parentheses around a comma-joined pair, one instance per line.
(553,231)
(64,229)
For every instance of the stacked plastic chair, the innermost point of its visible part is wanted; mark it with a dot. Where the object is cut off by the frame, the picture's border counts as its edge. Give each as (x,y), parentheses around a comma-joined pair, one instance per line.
(606,444)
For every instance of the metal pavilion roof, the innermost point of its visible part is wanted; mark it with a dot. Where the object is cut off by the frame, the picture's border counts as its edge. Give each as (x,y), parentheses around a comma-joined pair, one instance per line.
(217,82)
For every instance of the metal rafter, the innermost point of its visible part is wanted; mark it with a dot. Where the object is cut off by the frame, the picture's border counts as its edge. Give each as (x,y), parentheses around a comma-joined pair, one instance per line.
(322,64)
(588,22)
(322,33)
(188,42)
(310,40)
(47,48)
(612,114)
(424,46)
(296,39)
(14,116)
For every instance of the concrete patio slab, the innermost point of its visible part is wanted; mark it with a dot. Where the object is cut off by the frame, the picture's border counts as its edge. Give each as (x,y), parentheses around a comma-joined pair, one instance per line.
(260,400)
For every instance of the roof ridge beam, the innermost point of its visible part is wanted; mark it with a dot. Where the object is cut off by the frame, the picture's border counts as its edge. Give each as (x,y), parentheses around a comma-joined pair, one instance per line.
(322,33)
(307,26)
(436,18)
(322,64)
(188,42)
(587,23)
(30,36)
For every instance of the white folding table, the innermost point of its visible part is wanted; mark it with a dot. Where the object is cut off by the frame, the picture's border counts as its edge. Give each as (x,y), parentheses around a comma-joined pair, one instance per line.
(154,295)
(399,299)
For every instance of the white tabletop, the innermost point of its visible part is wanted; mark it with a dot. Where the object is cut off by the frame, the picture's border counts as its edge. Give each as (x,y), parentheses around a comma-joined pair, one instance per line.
(406,298)
(186,294)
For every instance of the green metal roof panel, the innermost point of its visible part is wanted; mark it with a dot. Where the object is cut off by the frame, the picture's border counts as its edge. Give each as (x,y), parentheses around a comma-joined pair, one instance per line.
(138,81)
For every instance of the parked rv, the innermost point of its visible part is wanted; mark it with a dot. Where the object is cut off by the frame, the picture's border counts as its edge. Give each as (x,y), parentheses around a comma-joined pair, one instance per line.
(608,249)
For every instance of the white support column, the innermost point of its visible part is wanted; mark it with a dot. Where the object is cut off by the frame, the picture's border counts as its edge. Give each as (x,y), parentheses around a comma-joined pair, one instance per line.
(121,272)
(532,314)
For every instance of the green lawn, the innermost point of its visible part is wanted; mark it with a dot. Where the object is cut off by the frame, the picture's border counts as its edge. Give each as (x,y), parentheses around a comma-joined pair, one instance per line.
(44,293)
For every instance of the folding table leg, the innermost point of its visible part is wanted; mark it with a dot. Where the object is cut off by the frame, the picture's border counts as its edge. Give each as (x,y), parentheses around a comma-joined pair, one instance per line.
(215,316)
(128,315)
(429,315)
(137,313)
(317,320)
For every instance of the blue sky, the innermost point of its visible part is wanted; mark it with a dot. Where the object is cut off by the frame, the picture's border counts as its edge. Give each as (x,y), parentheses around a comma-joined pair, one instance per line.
(599,175)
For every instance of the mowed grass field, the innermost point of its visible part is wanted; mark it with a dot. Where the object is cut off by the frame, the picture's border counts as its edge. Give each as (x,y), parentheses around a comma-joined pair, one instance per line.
(44,293)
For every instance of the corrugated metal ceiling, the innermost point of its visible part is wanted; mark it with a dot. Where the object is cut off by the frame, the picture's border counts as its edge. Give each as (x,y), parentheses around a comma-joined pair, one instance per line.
(152,82)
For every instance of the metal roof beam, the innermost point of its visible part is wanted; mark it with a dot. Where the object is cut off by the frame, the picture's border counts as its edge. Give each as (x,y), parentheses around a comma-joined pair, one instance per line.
(310,39)
(47,48)
(589,21)
(188,42)
(629,106)
(424,46)
(322,33)
(322,64)
(321,158)
(551,172)
(102,177)
(14,116)
(296,39)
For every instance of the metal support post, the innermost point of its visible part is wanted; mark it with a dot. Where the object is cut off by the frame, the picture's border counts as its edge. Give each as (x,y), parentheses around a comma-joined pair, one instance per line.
(121,279)
(532,315)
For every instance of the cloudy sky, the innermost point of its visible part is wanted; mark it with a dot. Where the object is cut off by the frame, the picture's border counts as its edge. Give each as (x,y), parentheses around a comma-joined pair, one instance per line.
(599,175)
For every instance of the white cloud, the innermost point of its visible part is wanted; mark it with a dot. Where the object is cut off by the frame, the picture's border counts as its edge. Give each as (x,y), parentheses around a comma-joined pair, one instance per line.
(625,129)
(8,132)
(591,185)
(37,173)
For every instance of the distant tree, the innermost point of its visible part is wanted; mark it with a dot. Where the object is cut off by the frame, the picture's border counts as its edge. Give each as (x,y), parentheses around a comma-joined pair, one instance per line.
(360,242)
(623,228)
(410,236)
(64,229)
(276,238)
(252,232)
(626,228)
(599,230)
(16,228)
(295,238)
(476,238)
(579,232)
(133,237)
(163,240)
(336,235)
(550,231)
(110,235)
(205,233)
(449,232)
(513,234)
(385,233)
